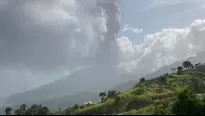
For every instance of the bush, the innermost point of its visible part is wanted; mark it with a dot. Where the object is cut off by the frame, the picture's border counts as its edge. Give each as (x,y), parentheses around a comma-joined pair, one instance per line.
(162,79)
(142,80)
(187,103)
(197,85)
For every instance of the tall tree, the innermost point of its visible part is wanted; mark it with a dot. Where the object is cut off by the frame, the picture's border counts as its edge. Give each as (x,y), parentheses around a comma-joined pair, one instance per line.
(102,95)
(8,111)
(187,65)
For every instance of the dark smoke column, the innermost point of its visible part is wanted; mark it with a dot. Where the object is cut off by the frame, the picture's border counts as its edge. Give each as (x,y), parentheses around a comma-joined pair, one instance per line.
(113,25)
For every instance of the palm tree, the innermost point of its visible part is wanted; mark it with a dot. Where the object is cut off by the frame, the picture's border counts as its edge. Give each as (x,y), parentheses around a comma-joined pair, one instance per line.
(102,95)
(8,111)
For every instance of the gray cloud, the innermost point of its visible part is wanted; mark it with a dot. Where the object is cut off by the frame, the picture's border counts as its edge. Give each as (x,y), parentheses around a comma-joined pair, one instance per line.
(42,34)
(39,37)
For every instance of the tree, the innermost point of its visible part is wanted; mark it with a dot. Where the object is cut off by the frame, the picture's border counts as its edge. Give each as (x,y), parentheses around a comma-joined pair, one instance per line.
(8,111)
(23,107)
(102,95)
(187,103)
(112,93)
(43,110)
(142,79)
(69,111)
(179,69)
(162,79)
(76,106)
(21,110)
(35,110)
(187,65)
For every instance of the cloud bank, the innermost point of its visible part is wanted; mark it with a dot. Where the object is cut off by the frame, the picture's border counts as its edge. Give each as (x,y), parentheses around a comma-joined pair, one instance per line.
(163,48)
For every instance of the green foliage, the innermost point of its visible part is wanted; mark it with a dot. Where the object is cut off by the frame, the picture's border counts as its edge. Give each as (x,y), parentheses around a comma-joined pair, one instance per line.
(188,65)
(162,79)
(102,95)
(179,69)
(187,103)
(149,110)
(8,111)
(112,93)
(142,80)
(33,110)
(197,85)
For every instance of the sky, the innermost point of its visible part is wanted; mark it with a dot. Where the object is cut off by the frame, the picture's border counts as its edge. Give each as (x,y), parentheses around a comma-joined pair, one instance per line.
(153,15)
(43,40)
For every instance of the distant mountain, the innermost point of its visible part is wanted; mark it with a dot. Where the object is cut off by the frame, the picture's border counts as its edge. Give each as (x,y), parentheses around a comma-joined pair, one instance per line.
(90,79)
(199,58)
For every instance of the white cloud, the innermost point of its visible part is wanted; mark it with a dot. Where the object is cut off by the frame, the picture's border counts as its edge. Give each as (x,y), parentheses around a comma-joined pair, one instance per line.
(163,48)
(129,28)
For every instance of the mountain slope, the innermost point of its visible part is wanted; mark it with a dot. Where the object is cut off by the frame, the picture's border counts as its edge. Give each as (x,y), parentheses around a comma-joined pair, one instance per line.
(90,79)
(144,96)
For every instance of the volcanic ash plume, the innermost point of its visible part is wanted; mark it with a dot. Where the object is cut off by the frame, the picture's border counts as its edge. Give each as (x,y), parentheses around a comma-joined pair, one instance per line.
(109,49)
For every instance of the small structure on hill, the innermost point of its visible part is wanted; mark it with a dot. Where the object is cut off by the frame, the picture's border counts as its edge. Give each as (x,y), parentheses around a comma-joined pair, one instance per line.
(89,103)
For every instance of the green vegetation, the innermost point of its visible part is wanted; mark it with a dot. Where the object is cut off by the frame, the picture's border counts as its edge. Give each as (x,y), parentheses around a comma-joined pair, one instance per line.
(8,111)
(33,110)
(163,95)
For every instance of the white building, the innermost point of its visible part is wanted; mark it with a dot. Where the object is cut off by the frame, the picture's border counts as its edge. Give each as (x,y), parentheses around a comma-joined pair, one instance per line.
(89,103)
